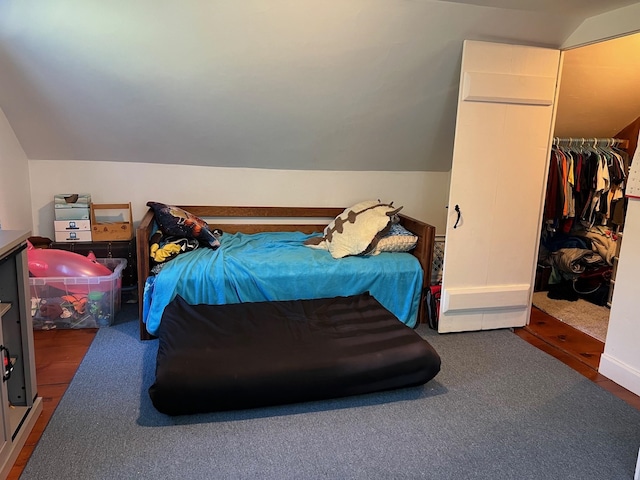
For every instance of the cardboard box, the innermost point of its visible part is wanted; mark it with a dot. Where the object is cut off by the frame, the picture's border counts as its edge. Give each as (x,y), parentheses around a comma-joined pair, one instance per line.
(77,302)
(73,236)
(72,230)
(73,225)
(111,221)
(72,206)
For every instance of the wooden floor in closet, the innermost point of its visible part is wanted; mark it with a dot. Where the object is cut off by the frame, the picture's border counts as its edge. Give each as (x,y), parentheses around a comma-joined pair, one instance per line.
(59,353)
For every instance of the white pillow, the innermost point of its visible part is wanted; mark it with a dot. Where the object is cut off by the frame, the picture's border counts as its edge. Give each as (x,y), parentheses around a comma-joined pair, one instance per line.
(357,229)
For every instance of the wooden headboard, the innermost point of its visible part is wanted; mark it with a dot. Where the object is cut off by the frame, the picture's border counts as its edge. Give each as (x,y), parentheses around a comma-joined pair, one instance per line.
(271,219)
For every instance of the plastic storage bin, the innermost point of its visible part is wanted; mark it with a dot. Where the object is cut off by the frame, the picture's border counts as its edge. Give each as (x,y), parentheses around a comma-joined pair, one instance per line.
(77,302)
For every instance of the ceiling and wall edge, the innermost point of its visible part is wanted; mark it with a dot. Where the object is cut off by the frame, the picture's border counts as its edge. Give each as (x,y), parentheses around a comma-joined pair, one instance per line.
(343,86)
(616,23)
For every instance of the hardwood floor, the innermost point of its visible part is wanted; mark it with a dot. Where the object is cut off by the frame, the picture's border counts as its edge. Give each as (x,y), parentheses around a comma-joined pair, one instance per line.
(59,353)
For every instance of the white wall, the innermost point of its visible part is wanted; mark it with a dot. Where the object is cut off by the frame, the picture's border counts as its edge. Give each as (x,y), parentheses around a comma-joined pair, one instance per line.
(422,194)
(15,197)
(621,359)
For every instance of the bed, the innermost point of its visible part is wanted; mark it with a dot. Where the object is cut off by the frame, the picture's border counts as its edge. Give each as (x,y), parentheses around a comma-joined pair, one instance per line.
(250,341)
(253,220)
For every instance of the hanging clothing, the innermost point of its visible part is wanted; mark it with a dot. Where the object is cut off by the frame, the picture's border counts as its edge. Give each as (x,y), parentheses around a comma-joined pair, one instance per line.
(585,183)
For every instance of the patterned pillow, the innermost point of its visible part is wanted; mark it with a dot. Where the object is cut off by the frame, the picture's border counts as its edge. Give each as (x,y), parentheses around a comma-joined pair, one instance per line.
(357,229)
(399,239)
(175,221)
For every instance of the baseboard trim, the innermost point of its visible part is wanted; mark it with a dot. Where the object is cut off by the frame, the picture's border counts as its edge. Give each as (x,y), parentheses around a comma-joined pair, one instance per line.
(619,372)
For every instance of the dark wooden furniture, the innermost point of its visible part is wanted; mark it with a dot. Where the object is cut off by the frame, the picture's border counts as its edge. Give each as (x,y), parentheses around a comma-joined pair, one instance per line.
(270,219)
(109,249)
(630,133)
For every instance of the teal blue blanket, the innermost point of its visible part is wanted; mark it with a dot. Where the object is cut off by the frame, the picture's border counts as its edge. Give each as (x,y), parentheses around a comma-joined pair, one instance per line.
(277,266)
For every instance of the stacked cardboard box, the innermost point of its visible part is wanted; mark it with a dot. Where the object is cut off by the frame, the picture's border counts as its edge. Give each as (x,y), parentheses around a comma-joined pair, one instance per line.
(72,214)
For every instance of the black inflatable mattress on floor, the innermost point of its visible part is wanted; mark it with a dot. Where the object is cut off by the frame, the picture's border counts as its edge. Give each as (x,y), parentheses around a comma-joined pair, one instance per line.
(227,357)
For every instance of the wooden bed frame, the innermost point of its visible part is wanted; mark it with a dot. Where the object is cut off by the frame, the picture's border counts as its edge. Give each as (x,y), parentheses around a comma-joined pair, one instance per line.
(272,219)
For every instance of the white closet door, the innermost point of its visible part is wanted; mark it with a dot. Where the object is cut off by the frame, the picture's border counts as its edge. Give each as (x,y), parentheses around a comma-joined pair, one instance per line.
(503,132)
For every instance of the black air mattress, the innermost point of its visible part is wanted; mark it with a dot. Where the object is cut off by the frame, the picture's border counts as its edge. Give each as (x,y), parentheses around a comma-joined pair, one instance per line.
(227,357)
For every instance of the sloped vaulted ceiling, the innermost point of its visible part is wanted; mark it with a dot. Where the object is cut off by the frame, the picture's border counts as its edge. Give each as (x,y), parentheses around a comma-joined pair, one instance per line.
(599,93)
(332,85)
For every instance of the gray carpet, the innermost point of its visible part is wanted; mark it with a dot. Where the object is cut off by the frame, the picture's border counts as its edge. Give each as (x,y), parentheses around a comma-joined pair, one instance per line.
(499,409)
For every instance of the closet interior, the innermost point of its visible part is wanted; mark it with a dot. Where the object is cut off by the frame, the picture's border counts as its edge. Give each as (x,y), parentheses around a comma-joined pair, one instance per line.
(583,228)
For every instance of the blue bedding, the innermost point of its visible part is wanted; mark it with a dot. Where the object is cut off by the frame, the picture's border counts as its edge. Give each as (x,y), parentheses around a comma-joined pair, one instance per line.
(277,266)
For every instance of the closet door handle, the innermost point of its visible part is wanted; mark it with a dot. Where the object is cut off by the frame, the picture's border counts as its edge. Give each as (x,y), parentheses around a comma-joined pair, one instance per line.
(457,209)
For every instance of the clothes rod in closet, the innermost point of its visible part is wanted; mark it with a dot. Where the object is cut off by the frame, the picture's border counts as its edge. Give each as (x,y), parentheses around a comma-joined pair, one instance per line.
(590,141)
